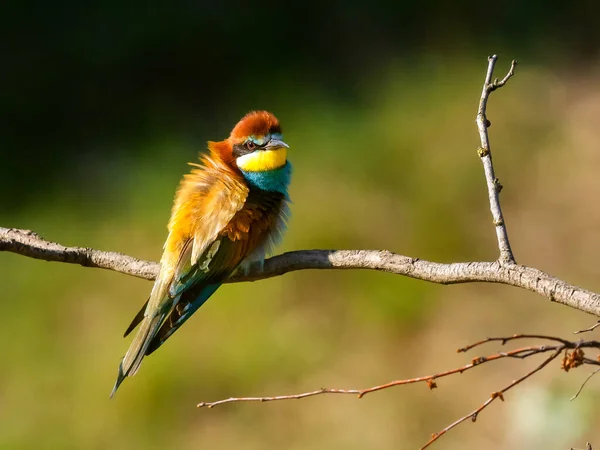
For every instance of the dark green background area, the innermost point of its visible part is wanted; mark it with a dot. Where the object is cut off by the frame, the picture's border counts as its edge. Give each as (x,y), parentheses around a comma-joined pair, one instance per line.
(104,103)
(88,80)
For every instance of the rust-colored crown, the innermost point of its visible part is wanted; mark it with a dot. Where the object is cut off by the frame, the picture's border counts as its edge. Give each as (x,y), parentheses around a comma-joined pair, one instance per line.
(255,123)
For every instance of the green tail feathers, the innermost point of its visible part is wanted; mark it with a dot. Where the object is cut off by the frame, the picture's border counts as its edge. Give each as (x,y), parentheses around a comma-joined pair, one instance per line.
(155,330)
(137,350)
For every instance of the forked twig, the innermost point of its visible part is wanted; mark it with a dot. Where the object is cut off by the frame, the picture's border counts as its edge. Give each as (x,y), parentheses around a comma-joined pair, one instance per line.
(485,153)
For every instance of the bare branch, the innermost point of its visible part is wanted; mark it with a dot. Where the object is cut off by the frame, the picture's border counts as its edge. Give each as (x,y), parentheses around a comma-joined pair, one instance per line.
(504,340)
(584,383)
(485,153)
(571,360)
(585,330)
(278,397)
(30,244)
(429,379)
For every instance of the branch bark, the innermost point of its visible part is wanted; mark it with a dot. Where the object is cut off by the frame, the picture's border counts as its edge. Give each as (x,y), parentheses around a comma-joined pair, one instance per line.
(485,153)
(30,244)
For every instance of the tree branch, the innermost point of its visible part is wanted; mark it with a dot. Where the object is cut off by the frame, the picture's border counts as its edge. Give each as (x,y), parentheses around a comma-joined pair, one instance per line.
(485,153)
(28,243)
(31,244)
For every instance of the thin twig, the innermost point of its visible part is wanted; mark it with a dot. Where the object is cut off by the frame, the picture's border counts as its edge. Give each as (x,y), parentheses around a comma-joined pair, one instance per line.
(571,359)
(485,153)
(279,397)
(429,379)
(585,330)
(504,340)
(584,383)
(28,243)
(498,84)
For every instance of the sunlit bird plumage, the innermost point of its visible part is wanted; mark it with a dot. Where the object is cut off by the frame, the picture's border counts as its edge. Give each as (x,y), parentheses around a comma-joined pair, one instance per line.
(228,213)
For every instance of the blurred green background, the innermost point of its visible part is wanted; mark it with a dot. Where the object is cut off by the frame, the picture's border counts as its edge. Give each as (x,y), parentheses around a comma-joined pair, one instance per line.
(103,103)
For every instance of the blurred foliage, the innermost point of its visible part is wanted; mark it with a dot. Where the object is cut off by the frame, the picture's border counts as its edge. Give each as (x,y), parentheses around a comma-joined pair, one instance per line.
(86,83)
(104,104)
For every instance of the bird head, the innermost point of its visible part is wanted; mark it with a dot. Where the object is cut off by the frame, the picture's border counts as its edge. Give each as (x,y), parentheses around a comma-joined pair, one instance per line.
(256,143)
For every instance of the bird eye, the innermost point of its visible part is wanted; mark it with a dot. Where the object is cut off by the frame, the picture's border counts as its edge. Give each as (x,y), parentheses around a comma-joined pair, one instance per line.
(250,145)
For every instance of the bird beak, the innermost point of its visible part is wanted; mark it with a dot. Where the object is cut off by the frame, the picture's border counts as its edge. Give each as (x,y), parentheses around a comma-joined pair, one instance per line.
(275,144)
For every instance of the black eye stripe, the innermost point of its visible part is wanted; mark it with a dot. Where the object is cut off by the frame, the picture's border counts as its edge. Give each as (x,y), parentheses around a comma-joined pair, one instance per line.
(241,150)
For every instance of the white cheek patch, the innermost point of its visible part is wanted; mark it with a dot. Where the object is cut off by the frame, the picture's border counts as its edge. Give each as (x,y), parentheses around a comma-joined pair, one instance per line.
(262,160)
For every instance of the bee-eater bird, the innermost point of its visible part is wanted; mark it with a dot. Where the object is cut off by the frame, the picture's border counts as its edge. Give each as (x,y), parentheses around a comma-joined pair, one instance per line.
(228,213)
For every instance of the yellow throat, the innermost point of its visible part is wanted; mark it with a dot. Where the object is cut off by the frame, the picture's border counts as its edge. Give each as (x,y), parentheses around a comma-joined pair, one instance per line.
(262,160)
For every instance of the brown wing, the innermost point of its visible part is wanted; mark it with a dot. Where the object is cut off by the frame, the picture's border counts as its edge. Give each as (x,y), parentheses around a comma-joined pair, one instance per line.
(207,200)
(248,230)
